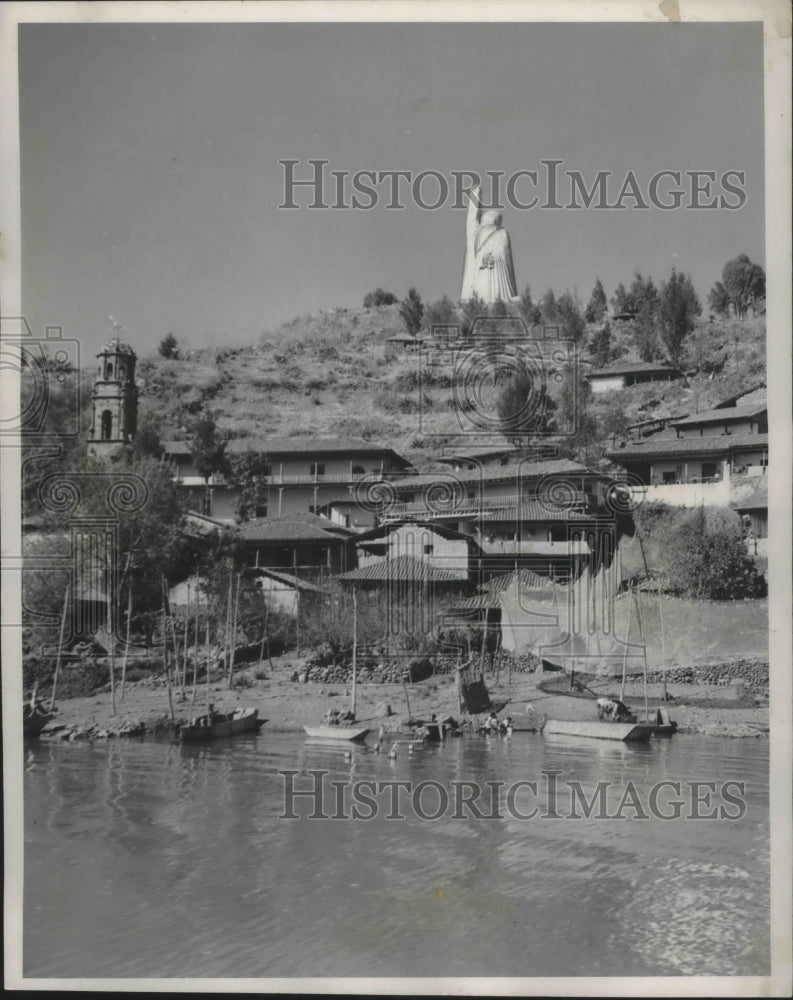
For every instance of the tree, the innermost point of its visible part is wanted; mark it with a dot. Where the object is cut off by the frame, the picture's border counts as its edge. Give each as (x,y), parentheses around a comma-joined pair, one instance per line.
(706,557)
(600,346)
(744,283)
(620,300)
(208,450)
(570,318)
(719,299)
(440,314)
(378,297)
(548,307)
(524,409)
(411,309)
(643,301)
(597,307)
(529,308)
(677,312)
(574,416)
(249,474)
(147,442)
(168,346)
(472,309)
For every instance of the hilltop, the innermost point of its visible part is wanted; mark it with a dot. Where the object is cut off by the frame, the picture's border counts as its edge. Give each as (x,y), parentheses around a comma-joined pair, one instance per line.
(333,372)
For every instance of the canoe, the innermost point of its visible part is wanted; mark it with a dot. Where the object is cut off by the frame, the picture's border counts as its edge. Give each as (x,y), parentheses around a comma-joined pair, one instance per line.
(350,733)
(222,725)
(34,719)
(621,731)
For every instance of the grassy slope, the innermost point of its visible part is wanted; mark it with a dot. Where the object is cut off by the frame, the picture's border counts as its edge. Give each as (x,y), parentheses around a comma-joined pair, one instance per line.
(332,373)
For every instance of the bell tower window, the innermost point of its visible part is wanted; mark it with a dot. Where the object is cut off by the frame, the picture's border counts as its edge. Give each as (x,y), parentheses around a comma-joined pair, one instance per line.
(107,425)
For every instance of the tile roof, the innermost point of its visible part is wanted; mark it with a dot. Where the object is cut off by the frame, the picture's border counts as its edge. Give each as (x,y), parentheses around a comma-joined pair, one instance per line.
(294,527)
(739,395)
(518,470)
(722,444)
(633,368)
(533,510)
(305,445)
(288,578)
(720,415)
(403,569)
(438,529)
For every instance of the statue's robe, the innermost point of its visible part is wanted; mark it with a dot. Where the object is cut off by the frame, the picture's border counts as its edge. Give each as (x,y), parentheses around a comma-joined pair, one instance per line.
(488,271)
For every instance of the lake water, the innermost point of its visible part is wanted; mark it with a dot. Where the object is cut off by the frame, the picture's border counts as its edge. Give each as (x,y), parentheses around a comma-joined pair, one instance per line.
(152,859)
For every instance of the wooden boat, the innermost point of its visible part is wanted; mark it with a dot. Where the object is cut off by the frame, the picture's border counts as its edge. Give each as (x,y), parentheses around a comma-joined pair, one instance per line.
(352,734)
(34,718)
(221,725)
(662,724)
(620,731)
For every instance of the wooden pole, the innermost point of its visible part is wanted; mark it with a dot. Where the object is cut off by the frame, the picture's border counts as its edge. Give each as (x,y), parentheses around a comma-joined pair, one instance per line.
(227,632)
(235,612)
(126,643)
(355,651)
(208,658)
(186,635)
(644,649)
(195,661)
(164,628)
(60,644)
(627,640)
(111,651)
(407,700)
(177,669)
(663,640)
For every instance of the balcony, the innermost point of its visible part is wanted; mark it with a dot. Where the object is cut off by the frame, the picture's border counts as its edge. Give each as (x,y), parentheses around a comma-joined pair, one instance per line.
(533,547)
(214,480)
(691,492)
(308,479)
(509,505)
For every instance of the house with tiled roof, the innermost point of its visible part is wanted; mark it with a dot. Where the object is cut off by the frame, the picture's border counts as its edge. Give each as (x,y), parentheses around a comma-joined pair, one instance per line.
(700,458)
(620,376)
(297,474)
(301,544)
(749,497)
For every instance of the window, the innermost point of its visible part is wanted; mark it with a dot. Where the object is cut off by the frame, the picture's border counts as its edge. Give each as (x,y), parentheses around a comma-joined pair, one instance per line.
(107,425)
(428,549)
(317,469)
(261,510)
(709,470)
(358,470)
(669,477)
(312,509)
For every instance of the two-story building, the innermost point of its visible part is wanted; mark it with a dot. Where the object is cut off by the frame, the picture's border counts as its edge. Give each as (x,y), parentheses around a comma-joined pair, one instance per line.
(296,475)
(301,544)
(698,459)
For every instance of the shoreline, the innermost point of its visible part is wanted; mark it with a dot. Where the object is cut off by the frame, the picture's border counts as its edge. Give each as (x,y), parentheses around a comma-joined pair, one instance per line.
(287,705)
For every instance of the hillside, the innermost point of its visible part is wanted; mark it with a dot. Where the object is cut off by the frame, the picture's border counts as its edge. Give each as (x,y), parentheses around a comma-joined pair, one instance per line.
(333,373)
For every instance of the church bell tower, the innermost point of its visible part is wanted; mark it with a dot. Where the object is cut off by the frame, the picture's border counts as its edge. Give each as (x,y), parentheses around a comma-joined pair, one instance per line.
(114,399)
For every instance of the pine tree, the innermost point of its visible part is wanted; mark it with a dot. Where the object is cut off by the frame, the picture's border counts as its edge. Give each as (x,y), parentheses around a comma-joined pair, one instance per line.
(677,312)
(411,309)
(597,306)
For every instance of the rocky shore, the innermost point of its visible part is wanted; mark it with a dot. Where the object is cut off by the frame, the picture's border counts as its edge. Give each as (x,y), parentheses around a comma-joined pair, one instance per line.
(288,701)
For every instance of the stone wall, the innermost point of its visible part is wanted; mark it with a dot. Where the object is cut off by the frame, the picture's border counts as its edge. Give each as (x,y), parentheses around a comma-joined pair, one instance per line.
(751,672)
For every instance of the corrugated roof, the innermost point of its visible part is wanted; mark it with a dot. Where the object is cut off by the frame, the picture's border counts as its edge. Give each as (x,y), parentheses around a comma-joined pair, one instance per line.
(721,445)
(720,415)
(633,368)
(403,569)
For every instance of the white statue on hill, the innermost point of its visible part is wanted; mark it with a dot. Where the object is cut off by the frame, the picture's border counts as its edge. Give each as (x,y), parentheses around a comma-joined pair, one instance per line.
(488,270)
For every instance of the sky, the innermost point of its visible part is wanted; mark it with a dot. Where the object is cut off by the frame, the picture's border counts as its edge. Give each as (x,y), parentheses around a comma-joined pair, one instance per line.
(151,177)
